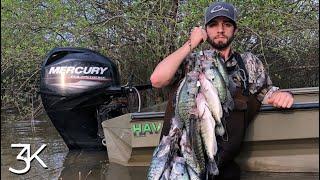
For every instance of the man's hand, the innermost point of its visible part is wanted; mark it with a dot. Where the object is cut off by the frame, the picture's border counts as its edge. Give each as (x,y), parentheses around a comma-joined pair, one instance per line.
(197,36)
(281,99)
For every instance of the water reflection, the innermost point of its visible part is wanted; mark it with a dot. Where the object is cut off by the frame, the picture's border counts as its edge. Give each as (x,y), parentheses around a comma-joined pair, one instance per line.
(94,165)
(84,165)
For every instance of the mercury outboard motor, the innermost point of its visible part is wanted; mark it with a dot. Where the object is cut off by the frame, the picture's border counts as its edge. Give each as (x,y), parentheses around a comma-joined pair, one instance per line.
(76,84)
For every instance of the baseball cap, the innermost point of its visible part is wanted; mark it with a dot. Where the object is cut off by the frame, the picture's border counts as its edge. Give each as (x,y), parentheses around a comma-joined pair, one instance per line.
(220,9)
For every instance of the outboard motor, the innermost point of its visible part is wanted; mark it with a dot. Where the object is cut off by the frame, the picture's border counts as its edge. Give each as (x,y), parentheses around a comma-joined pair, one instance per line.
(75,84)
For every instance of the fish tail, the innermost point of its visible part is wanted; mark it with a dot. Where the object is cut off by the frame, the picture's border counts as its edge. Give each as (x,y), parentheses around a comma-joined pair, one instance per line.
(209,169)
(212,167)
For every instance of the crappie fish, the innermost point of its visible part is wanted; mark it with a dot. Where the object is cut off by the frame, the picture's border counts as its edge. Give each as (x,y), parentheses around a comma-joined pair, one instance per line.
(193,77)
(192,175)
(214,71)
(198,61)
(190,62)
(182,97)
(179,171)
(188,155)
(207,124)
(175,128)
(219,63)
(196,141)
(213,74)
(229,104)
(161,158)
(166,174)
(186,99)
(232,84)
(211,95)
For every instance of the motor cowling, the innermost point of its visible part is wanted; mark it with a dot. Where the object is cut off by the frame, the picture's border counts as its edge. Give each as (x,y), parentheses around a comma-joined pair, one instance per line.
(75,77)
(74,83)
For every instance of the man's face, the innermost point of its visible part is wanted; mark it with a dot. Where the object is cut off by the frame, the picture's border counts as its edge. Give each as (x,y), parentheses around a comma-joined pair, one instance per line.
(220,32)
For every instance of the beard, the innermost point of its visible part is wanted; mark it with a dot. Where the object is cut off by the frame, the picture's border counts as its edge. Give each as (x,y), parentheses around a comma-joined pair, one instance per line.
(220,45)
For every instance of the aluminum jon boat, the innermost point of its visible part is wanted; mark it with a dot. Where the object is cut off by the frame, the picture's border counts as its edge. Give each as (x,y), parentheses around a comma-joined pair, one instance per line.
(277,140)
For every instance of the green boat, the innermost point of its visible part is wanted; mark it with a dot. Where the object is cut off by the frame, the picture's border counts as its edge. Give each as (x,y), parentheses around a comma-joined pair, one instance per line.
(276,141)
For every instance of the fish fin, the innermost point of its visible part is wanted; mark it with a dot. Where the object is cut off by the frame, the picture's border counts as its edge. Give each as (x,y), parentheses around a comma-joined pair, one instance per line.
(188,173)
(179,89)
(215,168)
(226,109)
(191,131)
(229,104)
(207,173)
(209,169)
(219,129)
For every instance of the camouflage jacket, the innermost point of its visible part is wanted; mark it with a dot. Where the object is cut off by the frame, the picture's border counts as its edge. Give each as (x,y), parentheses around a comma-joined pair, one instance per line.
(260,83)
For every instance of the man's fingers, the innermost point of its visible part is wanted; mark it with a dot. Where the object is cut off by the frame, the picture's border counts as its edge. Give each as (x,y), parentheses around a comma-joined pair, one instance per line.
(204,35)
(282,100)
(272,98)
(290,102)
(197,36)
(276,100)
(287,100)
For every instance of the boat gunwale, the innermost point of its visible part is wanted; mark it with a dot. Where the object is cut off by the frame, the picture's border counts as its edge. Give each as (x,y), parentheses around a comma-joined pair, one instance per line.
(301,91)
(154,116)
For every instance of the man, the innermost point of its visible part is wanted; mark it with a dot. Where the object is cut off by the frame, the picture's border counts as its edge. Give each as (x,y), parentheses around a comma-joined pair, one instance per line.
(251,84)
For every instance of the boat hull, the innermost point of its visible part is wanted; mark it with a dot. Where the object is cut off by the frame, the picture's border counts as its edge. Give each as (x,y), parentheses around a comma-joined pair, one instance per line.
(276,140)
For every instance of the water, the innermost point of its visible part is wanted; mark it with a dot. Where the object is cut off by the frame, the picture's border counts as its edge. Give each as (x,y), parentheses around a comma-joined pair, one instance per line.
(33,132)
(77,165)
(62,163)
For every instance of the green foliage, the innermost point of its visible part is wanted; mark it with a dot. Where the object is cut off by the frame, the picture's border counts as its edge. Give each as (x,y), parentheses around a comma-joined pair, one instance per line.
(138,34)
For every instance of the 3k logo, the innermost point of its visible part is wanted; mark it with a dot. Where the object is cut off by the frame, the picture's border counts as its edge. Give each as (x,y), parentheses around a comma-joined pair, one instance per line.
(28,159)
